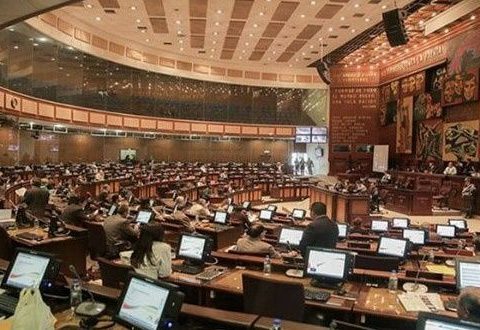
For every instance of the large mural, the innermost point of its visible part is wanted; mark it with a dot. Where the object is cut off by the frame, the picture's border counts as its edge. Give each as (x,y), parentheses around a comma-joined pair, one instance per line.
(460,140)
(405,126)
(429,140)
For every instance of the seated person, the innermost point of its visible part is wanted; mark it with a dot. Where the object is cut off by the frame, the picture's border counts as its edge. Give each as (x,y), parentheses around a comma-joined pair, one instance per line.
(359,188)
(339,186)
(386,178)
(200,208)
(239,216)
(118,231)
(450,169)
(74,213)
(151,256)
(252,242)
(468,303)
(180,217)
(357,227)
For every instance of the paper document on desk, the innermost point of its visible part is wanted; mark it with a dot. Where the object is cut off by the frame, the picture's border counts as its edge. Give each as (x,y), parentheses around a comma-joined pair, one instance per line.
(20,192)
(441,269)
(425,302)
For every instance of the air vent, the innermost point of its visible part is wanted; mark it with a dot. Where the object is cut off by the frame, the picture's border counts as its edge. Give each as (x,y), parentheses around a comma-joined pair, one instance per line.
(110,11)
(201,51)
(167,43)
(141,28)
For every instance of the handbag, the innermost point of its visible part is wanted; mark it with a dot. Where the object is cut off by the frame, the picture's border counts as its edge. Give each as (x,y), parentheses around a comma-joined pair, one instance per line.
(32,312)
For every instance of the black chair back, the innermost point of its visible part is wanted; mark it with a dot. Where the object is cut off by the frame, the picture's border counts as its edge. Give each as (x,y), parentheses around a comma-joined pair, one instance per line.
(114,275)
(377,263)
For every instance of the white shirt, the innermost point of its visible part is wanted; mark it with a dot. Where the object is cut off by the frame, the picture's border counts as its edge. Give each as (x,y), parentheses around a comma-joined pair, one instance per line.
(450,170)
(162,261)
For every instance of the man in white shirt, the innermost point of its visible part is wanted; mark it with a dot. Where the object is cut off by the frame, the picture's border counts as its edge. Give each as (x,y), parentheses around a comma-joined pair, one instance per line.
(450,169)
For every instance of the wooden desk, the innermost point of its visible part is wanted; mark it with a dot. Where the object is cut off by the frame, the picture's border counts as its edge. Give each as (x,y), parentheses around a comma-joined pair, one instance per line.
(411,202)
(380,303)
(71,250)
(290,192)
(265,323)
(222,238)
(341,207)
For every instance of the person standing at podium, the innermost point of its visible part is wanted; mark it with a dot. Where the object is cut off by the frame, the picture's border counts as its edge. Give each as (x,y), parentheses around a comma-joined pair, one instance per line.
(468,195)
(321,232)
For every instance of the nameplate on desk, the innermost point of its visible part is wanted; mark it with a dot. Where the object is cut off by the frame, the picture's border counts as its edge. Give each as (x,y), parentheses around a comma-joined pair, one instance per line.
(358,245)
(425,275)
(457,252)
(30,236)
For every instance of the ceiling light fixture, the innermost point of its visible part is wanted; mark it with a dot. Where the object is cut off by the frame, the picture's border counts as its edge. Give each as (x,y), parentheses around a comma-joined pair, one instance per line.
(98,18)
(133,8)
(313,3)
(89,6)
(219,11)
(255,25)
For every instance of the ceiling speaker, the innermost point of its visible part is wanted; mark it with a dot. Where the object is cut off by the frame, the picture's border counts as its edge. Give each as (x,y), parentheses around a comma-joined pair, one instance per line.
(324,72)
(395,27)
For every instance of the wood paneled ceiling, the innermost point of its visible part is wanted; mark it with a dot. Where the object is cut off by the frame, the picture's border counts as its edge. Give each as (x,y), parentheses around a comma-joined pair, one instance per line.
(247,33)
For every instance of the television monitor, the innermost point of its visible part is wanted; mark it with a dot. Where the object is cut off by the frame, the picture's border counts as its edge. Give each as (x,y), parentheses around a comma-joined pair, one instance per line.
(298,214)
(319,139)
(303,130)
(290,236)
(272,208)
(112,210)
(393,247)
(328,265)
(143,217)
(459,223)
(195,248)
(342,230)
(400,223)
(446,231)
(29,269)
(303,139)
(467,273)
(5,214)
(246,205)
(230,208)
(148,304)
(379,225)
(415,236)
(220,217)
(266,215)
(430,321)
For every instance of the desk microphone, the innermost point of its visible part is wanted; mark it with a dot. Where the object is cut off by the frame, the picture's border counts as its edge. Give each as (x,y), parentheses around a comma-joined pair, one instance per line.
(91,308)
(415,287)
(297,272)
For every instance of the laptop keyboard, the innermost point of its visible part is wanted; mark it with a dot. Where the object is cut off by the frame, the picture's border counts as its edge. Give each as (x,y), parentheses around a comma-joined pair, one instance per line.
(8,303)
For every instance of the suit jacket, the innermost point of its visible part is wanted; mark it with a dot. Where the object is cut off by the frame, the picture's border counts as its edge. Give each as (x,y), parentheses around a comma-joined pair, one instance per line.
(117,230)
(248,244)
(321,232)
(36,199)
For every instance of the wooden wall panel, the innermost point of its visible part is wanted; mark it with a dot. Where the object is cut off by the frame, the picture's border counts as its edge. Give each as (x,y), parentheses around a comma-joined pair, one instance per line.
(80,116)
(63,113)
(114,120)
(46,110)
(97,118)
(29,107)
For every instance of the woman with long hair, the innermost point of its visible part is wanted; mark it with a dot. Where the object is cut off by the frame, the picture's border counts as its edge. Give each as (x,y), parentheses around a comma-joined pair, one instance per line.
(151,256)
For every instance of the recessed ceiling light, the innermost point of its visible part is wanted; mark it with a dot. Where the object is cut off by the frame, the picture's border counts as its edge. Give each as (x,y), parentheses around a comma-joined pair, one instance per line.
(42,39)
(303,53)
(133,8)
(473,17)
(250,35)
(261,13)
(143,31)
(342,18)
(217,23)
(289,65)
(246,44)
(356,5)
(330,29)
(353,30)
(302,16)
(311,46)
(320,39)
(89,6)
(178,21)
(255,25)
(313,3)
(215,33)
(180,41)
(35,44)
(219,11)
(296,60)
(179,32)
(213,49)
(214,42)
(367,19)
(11,29)
(181,49)
(446,30)
(52,59)
(15,47)
(243,51)
(240,57)
(384,7)
(269,59)
(98,18)
(211,56)
(274,52)
(148,40)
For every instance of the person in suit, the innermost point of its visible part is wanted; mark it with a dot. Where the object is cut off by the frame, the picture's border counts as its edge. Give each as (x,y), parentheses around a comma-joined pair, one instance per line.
(74,213)
(252,242)
(468,303)
(36,199)
(321,232)
(118,231)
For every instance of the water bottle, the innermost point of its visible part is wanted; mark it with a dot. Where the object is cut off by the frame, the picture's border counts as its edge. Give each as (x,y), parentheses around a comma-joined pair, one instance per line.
(75,294)
(431,256)
(36,223)
(277,324)
(267,265)
(393,282)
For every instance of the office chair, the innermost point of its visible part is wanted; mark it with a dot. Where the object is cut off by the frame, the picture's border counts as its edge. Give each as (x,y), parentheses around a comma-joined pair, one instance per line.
(114,275)
(97,241)
(6,248)
(340,325)
(273,298)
